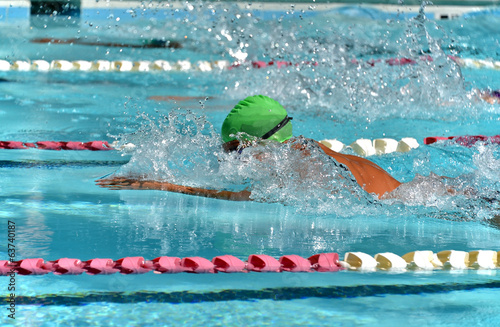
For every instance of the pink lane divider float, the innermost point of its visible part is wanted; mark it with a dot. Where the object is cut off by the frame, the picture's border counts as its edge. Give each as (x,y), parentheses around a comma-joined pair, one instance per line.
(394,61)
(325,262)
(100,267)
(138,265)
(263,263)
(34,266)
(198,265)
(168,265)
(5,268)
(229,264)
(295,263)
(57,146)
(65,266)
(12,145)
(283,64)
(133,265)
(465,140)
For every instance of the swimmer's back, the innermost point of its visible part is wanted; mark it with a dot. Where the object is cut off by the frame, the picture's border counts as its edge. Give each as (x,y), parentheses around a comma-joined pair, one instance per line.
(369,176)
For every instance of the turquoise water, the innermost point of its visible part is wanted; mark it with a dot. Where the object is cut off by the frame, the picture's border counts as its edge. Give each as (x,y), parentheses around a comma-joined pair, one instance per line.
(60,212)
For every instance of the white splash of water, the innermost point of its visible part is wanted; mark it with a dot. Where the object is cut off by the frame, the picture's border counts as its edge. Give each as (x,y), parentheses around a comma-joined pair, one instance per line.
(184,149)
(487,160)
(180,148)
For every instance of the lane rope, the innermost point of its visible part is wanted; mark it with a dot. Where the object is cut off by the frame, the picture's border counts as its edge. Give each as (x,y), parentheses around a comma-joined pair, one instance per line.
(466,140)
(367,147)
(362,147)
(322,262)
(205,66)
(57,146)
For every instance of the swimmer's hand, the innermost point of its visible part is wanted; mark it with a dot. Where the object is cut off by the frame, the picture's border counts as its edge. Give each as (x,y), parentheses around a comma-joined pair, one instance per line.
(122,183)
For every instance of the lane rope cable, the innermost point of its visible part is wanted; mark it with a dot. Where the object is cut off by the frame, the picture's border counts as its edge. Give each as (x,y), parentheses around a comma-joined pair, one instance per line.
(206,66)
(362,147)
(322,262)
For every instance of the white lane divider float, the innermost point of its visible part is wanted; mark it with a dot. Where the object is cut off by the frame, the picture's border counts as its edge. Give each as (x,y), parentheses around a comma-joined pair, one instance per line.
(477,63)
(180,65)
(423,260)
(367,147)
(113,66)
(362,147)
(390,261)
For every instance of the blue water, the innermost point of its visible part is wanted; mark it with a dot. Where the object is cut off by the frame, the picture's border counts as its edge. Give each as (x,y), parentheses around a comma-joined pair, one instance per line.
(60,212)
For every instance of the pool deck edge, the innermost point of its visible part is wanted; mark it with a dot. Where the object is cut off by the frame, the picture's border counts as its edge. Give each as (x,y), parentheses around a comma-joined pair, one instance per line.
(20,9)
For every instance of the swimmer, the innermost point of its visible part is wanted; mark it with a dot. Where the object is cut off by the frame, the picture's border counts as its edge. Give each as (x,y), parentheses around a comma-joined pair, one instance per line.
(147,44)
(492,97)
(264,118)
(476,95)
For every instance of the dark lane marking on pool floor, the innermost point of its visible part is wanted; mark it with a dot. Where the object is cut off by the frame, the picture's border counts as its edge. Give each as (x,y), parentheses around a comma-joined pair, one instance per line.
(276,294)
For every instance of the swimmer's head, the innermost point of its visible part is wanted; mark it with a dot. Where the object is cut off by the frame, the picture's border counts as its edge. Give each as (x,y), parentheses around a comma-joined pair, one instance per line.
(257,116)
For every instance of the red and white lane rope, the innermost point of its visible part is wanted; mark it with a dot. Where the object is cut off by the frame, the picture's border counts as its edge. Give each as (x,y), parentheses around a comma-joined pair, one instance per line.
(466,140)
(53,145)
(203,65)
(362,147)
(322,262)
(367,147)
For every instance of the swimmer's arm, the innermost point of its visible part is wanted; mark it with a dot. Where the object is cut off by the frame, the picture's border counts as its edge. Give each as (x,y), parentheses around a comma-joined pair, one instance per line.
(122,183)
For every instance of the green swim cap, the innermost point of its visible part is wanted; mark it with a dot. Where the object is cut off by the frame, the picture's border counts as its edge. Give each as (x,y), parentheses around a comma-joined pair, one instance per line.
(258,116)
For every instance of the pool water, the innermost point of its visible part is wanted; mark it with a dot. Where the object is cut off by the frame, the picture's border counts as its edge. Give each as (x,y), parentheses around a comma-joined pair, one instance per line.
(333,93)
